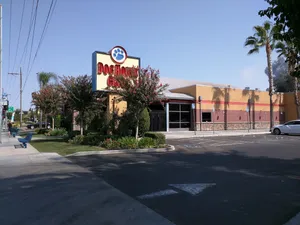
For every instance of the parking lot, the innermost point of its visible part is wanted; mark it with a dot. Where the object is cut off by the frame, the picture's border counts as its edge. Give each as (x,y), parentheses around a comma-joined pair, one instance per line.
(245,180)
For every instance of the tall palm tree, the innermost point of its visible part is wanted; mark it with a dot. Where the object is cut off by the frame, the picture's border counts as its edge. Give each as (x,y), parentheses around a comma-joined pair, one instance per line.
(44,79)
(265,37)
(289,51)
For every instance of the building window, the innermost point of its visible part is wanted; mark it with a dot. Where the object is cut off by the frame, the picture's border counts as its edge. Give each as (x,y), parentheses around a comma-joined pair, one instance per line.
(179,115)
(206,117)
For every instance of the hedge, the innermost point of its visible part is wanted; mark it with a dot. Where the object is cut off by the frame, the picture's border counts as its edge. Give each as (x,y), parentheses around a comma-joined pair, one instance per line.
(159,137)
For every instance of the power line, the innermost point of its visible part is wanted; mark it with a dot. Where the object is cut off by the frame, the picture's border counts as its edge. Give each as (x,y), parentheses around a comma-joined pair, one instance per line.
(29,32)
(34,23)
(48,19)
(21,23)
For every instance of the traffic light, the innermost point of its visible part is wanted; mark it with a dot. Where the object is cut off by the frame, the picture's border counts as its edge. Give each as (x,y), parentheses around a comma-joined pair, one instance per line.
(5,106)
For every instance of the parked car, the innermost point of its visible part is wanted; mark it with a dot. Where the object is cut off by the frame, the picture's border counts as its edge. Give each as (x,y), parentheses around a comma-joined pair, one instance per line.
(37,125)
(290,127)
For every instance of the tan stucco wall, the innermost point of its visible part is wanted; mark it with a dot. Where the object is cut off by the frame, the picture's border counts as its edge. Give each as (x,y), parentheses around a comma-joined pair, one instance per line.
(235,99)
(290,106)
(116,106)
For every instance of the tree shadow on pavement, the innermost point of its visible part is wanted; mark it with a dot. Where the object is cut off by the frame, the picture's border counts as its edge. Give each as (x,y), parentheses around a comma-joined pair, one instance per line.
(248,190)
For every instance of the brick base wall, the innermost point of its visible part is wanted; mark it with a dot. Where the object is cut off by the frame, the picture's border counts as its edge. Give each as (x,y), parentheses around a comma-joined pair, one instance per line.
(234,126)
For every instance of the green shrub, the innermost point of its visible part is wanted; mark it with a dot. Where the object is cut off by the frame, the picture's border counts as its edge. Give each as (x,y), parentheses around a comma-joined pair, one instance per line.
(146,142)
(57,121)
(158,137)
(42,131)
(128,143)
(77,140)
(73,133)
(111,144)
(144,122)
(58,132)
(94,139)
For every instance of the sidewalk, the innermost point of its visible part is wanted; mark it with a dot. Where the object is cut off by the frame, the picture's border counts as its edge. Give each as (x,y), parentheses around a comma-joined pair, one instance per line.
(46,188)
(193,134)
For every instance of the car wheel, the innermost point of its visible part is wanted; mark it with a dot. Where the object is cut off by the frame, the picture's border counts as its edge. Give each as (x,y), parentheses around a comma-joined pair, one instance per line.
(32,127)
(277,131)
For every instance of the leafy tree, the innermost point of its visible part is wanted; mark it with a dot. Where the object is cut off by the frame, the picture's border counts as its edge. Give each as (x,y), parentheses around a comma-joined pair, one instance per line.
(49,99)
(44,79)
(289,51)
(264,37)
(282,80)
(140,91)
(286,14)
(80,97)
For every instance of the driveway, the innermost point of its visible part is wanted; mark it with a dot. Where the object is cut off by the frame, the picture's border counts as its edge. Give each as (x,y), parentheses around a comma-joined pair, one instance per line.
(220,180)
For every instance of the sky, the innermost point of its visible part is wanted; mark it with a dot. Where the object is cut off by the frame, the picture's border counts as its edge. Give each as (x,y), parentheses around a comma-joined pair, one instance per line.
(192,39)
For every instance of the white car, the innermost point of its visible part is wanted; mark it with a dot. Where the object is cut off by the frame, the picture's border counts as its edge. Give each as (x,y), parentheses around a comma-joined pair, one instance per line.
(291,127)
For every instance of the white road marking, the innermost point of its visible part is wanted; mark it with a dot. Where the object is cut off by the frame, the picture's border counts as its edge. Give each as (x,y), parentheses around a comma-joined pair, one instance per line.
(193,189)
(158,194)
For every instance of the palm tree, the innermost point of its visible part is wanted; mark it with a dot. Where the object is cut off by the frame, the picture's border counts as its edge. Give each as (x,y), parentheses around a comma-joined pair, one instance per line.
(289,51)
(44,79)
(264,37)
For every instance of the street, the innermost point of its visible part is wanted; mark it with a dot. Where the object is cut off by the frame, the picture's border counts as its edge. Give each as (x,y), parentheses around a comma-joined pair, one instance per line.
(245,180)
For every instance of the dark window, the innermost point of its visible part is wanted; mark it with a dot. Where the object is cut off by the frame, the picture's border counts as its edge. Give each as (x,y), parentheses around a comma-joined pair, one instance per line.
(185,125)
(185,107)
(185,117)
(206,117)
(174,125)
(297,122)
(179,115)
(290,123)
(174,107)
(174,117)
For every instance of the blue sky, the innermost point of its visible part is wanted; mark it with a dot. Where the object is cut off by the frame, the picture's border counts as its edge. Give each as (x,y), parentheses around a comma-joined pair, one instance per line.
(194,40)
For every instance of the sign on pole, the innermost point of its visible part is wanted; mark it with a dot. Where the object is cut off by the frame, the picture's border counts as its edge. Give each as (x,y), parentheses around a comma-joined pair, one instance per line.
(213,109)
(247,109)
(11,109)
(193,106)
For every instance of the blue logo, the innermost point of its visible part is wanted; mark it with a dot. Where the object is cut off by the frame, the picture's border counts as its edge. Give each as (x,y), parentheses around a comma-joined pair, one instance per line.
(118,54)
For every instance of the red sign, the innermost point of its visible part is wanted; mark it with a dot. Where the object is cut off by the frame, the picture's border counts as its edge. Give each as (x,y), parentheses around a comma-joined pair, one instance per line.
(116,70)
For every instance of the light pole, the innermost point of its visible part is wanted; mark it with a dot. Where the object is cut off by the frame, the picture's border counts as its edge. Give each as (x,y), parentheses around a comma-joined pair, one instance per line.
(21,91)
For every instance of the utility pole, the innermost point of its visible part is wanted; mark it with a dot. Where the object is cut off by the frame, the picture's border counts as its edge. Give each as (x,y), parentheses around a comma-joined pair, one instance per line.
(1,102)
(21,91)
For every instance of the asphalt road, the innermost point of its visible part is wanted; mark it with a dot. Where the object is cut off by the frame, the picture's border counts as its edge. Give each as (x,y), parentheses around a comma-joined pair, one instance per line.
(252,179)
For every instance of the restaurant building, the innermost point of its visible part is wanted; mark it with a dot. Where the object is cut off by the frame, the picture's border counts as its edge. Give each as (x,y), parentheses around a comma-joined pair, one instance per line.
(190,105)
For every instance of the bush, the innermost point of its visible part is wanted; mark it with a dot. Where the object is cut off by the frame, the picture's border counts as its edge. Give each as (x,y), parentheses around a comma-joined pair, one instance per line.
(57,121)
(58,132)
(125,126)
(77,140)
(144,122)
(42,131)
(94,139)
(128,143)
(158,137)
(73,133)
(146,142)
(111,144)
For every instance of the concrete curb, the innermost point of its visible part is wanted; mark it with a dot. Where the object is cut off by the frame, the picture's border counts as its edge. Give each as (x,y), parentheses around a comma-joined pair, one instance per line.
(214,135)
(169,148)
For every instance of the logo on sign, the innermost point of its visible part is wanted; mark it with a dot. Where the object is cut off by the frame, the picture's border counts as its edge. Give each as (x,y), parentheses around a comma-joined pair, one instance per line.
(118,54)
